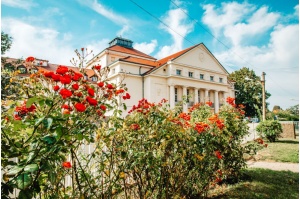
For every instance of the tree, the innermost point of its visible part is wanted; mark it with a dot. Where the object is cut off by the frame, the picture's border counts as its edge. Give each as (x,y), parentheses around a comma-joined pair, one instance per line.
(6,42)
(249,91)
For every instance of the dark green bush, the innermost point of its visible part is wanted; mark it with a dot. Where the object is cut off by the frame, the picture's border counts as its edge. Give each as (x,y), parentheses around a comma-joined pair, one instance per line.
(270,129)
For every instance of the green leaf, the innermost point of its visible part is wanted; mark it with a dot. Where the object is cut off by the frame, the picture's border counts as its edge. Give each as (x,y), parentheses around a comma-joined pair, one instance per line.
(14,170)
(37,122)
(79,136)
(25,194)
(49,139)
(52,177)
(124,106)
(31,168)
(49,102)
(48,122)
(31,101)
(24,181)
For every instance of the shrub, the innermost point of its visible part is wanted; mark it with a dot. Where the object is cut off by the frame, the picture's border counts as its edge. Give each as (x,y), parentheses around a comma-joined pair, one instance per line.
(270,129)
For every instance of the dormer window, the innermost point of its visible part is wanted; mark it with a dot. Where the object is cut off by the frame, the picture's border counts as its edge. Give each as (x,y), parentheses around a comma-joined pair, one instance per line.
(22,69)
(86,77)
(121,42)
(94,78)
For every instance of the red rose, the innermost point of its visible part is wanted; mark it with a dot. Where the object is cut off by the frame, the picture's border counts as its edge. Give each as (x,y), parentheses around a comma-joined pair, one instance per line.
(91,92)
(135,126)
(80,107)
(109,86)
(67,165)
(119,91)
(48,74)
(66,79)
(56,88)
(31,108)
(65,106)
(98,67)
(101,84)
(77,76)
(75,86)
(209,103)
(65,93)
(30,59)
(56,77)
(128,96)
(103,107)
(62,70)
(17,117)
(218,154)
(79,94)
(91,101)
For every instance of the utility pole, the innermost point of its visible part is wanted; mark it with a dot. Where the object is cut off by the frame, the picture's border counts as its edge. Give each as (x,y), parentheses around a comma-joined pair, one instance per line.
(263,96)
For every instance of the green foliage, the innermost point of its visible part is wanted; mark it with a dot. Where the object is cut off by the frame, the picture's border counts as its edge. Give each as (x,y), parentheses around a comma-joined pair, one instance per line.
(270,129)
(6,42)
(249,91)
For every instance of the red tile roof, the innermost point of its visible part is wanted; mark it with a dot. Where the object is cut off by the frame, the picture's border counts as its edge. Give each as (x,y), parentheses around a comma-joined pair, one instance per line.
(130,51)
(175,55)
(139,61)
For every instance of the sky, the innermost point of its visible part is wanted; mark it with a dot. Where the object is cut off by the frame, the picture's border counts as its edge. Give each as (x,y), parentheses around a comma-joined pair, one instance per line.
(260,35)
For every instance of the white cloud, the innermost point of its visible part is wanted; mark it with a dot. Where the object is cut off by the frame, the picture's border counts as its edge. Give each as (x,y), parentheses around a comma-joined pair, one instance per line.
(96,47)
(178,28)
(145,47)
(19,3)
(109,14)
(40,42)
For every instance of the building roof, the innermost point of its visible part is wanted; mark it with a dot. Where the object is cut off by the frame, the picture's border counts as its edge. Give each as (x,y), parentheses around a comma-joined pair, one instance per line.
(139,61)
(130,51)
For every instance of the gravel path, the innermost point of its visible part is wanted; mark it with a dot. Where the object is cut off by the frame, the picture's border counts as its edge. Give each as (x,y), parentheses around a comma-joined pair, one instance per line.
(278,166)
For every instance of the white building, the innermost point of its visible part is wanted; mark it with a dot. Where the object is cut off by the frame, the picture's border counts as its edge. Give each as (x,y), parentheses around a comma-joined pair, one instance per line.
(193,72)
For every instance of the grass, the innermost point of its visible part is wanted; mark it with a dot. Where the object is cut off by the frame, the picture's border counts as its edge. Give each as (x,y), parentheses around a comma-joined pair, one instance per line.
(261,183)
(283,150)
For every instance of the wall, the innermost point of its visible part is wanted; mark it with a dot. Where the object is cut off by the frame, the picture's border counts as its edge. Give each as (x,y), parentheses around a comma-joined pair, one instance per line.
(288,129)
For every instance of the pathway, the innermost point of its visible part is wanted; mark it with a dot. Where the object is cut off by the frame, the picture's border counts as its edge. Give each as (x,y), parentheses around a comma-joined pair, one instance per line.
(278,166)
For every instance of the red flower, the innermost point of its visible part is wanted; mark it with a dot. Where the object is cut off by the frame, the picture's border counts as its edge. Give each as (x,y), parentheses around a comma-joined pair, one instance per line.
(30,59)
(77,76)
(201,127)
(135,126)
(48,74)
(31,108)
(109,86)
(103,107)
(65,93)
(101,84)
(127,96)
(184,116)
(98,67)
(67,165)
(66,79)
(218,155)
(91,92)
(119,91)
(75,86)
(91,101)
(230,101)
(17,117)
(65,106)
(62,69)
(56,77)
(79,94)
(209,103)
(80,107)
(56,88)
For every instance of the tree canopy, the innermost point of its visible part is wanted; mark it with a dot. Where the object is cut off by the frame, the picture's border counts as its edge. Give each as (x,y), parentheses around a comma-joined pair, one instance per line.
(248,91)
(6,42)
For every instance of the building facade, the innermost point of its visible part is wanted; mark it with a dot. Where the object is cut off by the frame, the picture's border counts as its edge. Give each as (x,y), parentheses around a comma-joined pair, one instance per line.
(192,75)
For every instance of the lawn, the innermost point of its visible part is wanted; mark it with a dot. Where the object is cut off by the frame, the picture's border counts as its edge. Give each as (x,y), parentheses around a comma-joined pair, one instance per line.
(261,183)
(283,150)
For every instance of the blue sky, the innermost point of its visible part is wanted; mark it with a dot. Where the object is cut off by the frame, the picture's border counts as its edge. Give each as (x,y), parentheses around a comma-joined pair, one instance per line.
(260,35)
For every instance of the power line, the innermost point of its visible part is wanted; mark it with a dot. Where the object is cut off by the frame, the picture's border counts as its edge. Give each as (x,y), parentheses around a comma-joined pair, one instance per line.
(193,43)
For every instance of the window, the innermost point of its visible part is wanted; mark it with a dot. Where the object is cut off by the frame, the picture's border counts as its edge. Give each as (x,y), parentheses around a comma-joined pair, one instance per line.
(34,70)
(187,95)
(221,80)
(198,95)
(86,77)
(178,72)
(176,99)
(212,78)
(201,76)
(190,74)
(22,69)
(94,78)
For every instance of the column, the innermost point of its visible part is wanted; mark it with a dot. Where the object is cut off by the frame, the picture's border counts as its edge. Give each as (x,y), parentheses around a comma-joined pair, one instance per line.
(196,96)
(216,101)
(184,93)
(206,99)
(172,96)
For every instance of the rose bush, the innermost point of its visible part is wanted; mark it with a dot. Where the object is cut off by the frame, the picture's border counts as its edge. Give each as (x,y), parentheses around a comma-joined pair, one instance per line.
(154,152)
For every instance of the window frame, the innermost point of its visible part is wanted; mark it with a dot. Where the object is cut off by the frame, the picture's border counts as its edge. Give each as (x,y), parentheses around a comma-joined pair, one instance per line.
(176,94)
(191,74)
(211,78)
(178,72)
(202,76)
